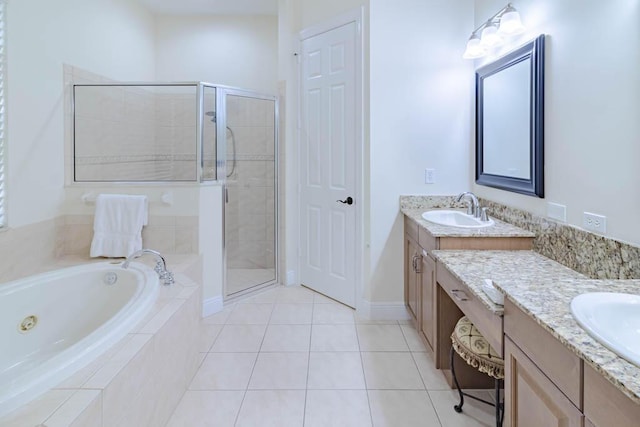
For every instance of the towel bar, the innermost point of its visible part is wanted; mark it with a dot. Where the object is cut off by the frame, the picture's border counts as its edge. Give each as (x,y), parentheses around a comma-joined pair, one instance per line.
(166,198)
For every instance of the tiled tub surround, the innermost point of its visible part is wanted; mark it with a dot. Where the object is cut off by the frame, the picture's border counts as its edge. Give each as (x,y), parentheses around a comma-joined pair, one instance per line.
(595,256)
(35,248)
(27,250)
(166,234)
(473,267)
(140,380)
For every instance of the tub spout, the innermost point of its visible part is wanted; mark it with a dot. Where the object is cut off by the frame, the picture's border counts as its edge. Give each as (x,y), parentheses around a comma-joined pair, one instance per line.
(161,265)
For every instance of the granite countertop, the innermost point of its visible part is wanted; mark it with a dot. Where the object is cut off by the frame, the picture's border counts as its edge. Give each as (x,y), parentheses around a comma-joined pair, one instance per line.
(547,301)
(500,229)
(543,289)
(472,267)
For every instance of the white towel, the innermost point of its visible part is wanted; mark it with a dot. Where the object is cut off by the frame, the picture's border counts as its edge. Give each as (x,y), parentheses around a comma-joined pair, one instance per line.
(117,226)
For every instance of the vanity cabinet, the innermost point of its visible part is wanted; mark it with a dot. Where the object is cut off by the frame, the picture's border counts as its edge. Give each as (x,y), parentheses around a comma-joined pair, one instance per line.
(419,281)
(605,405)
(548,385)
(532,399)
(433,317)
(543,378)
(413,261)
(427,317)
(558,363)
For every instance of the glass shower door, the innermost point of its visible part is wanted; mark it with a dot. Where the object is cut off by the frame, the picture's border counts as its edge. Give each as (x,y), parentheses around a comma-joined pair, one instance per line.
(250,208)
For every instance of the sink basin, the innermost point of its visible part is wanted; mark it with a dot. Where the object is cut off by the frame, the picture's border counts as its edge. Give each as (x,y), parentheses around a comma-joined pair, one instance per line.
(612,319)
(455,219)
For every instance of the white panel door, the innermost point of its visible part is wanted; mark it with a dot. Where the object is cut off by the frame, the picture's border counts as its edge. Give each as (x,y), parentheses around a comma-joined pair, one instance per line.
(328,164)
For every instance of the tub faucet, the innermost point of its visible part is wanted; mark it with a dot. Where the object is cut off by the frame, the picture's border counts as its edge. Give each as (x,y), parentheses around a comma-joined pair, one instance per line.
(473,207)
(161,265)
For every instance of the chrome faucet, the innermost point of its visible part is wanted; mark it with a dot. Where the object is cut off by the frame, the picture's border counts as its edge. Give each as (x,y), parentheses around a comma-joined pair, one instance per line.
(161,265)
(473,207)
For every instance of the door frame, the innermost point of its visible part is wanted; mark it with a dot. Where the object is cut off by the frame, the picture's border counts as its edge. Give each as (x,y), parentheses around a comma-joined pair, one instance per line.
(354,16)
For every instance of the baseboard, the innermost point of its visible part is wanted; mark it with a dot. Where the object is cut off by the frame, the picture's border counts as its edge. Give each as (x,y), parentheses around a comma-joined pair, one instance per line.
(383,310)
(212,305)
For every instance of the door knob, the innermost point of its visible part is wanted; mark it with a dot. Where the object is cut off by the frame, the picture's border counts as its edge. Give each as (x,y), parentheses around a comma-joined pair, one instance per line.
(347,201)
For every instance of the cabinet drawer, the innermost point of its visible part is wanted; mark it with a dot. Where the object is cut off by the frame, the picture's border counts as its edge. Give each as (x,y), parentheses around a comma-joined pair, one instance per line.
(411,228)
(488,323)
(557,362)
(605,405)
(531,399)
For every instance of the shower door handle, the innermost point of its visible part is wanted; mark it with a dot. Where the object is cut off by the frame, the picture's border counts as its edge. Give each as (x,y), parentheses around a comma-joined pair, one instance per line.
(347,201)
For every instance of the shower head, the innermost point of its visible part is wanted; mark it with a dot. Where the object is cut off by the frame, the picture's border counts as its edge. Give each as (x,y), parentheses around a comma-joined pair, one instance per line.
(211,114)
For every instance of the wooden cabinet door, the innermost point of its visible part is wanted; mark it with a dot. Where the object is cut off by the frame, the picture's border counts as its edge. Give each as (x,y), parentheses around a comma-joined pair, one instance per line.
(412,266)
(427,299)
(605,405)
(532,400)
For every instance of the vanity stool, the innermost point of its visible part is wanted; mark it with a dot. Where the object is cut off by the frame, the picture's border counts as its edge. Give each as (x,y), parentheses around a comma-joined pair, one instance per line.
(474,349)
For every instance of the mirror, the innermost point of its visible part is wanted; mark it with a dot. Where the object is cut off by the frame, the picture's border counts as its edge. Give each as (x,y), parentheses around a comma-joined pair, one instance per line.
(510,121)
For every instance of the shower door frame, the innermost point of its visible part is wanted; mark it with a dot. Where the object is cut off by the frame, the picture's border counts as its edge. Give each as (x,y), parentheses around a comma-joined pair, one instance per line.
(221,170)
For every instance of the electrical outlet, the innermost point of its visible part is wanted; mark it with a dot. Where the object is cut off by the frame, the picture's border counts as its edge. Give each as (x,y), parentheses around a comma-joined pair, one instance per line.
(429,176)
(593,222)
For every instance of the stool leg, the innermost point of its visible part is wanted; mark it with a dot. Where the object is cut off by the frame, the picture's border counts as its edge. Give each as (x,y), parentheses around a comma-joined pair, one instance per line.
(498,420)
(501,408)
(458,408)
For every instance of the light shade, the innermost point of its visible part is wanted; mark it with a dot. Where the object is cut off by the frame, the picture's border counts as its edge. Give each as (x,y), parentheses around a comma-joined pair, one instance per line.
(510,23)
(474,48)
(490,37)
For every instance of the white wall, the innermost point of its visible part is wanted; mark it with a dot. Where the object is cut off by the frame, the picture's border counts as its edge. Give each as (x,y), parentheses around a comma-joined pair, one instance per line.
(420,115)
(313,12)
(239,51)
(108,37)
(592,109)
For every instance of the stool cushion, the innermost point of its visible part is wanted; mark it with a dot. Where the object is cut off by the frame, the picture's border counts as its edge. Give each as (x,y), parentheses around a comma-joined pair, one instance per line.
(474,349)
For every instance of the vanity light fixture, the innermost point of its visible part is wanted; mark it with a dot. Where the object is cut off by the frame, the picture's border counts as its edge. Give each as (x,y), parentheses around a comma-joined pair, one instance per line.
(490,37)
(474,48)
(490,34)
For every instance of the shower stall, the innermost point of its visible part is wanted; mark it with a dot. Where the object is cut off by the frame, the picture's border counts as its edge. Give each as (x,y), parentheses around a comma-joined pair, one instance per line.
(196,133)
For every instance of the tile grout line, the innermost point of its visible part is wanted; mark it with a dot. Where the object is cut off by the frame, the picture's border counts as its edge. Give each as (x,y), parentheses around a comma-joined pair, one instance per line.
(306,388)
(255,362)
(364,377)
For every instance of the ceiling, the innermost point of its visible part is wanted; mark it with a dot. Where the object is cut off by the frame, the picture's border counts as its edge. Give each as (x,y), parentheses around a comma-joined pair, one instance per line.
(215,7)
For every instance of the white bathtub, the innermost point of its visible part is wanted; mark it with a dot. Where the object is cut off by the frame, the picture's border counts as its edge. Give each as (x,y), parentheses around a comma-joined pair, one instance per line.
(77,316)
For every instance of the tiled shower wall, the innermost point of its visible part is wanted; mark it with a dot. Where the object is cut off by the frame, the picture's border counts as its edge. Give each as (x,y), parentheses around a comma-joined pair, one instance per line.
(132,133)
(250,213)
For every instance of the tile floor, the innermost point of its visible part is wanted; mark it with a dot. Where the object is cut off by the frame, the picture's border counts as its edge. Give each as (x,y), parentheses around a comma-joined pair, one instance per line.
(241,279)
(292,357)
